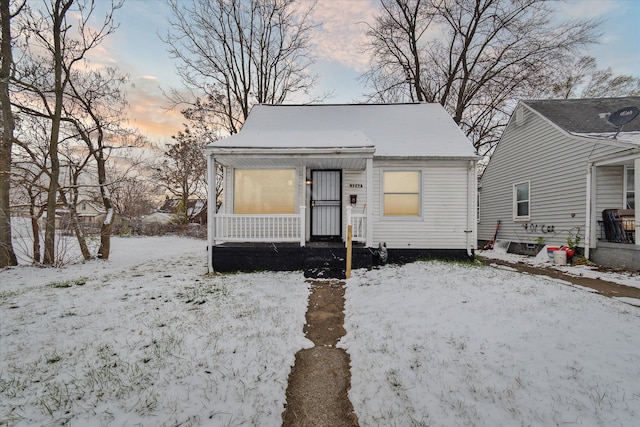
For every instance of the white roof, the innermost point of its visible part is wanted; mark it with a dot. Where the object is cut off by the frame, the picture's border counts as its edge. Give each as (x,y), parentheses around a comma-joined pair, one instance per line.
(392,130)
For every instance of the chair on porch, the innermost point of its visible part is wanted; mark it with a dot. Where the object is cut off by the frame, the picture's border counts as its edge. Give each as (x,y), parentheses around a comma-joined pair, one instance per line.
(619,225)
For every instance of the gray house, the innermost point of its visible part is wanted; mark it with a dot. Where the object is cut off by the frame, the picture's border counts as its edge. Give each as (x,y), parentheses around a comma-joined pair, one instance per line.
(402,175)
(562,170)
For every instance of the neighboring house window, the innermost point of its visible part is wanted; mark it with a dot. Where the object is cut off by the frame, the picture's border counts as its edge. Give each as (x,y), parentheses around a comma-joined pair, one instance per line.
(521,201)
(630,191)
(84,206)
(401,193)
(264,191)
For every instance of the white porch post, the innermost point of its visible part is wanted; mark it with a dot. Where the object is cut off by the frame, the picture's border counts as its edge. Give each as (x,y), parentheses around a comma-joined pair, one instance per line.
(369,211)
(303,220)
(589,220)
(636,188)
(211,209)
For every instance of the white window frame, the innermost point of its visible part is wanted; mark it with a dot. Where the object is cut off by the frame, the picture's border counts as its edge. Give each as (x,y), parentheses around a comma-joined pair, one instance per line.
(625,190)
(516,201)
(420,196)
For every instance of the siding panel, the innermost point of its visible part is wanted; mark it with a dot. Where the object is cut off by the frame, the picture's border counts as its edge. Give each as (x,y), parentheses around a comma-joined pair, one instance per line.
(444,208)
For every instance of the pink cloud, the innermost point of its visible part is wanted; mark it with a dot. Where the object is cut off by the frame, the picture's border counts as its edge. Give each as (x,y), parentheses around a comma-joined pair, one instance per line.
(342,31)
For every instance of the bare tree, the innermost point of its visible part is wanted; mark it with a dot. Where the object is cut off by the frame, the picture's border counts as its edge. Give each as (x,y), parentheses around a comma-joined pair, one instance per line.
(30,174)
(7,254)
(183,171)
(98,119)
(583,79)
(472,56)
(56,48)
(236,53)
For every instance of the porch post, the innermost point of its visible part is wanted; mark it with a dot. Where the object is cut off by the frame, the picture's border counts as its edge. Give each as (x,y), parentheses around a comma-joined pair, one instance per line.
(349,209)
(369,201)
(636,188)
(588,210)
(211,209)
(303,229)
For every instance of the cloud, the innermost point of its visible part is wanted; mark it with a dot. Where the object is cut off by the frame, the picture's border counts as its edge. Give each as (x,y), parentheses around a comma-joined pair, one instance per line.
(342,31)
(586,9)
(149,110)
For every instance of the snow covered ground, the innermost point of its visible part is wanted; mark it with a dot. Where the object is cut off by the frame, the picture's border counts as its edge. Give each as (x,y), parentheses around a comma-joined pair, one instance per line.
(542,260)
(148,339)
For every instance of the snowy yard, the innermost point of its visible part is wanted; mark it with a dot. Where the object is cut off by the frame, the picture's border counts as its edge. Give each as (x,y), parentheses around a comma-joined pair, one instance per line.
(148,339)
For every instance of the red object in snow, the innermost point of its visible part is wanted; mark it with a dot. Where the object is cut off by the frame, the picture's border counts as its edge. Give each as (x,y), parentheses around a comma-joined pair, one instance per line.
(570,252)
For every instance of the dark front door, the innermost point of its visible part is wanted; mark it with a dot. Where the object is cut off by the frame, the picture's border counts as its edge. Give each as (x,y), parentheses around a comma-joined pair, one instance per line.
(326,200)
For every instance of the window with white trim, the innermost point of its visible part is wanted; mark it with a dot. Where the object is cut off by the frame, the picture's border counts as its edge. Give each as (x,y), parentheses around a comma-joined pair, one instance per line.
(264,191)
(401,193)
(629,190)
(521,201)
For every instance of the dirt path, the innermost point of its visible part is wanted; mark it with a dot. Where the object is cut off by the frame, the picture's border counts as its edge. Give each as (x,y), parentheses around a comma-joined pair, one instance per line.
(606,288)
(320,379)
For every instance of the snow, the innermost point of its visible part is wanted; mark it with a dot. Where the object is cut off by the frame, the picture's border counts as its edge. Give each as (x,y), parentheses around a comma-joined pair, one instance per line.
(147,338)
(396,130)
(627,278)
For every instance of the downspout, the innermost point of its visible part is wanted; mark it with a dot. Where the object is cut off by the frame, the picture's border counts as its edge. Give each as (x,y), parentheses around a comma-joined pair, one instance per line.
(471,217)
(211,209)
(587,228)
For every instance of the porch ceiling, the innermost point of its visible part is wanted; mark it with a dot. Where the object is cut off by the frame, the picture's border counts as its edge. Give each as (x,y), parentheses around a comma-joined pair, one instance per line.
(328,158)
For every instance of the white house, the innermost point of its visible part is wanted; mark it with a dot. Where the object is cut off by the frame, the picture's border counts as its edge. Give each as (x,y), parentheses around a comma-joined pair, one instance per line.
(563,169)
(294,177)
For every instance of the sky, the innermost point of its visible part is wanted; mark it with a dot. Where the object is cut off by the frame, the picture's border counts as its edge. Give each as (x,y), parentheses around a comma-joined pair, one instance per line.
(137,49)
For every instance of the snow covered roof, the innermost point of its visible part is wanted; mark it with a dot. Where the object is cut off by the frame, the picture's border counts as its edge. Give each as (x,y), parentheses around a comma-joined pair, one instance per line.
(391,130)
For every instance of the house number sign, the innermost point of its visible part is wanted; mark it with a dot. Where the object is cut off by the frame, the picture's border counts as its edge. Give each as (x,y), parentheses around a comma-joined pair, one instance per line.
(355,185)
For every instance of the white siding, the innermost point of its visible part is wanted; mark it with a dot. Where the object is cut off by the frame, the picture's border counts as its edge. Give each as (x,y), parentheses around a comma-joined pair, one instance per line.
(443,221)
(353,182)
(555,164)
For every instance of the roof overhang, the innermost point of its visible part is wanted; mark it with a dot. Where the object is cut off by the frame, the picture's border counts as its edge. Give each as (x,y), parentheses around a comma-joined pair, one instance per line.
(352,158)
(621,158)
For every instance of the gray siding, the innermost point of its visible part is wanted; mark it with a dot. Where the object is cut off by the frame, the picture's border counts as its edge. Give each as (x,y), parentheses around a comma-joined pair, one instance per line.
(555,163)
(444,207)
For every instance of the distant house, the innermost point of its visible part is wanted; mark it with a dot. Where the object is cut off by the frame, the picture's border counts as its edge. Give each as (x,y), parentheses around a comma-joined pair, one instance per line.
(90,214)
(562,169)
(402,175)
(196,210)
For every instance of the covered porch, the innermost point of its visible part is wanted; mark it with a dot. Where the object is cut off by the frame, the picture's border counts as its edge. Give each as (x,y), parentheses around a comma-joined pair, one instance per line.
(613,226)
(287,204)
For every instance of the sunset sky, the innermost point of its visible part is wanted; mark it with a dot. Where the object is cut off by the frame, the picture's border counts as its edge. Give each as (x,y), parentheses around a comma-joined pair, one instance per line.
(137,50)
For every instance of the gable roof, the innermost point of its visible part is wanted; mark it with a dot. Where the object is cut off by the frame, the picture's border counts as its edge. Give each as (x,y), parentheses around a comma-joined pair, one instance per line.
(588,116)
(392,130)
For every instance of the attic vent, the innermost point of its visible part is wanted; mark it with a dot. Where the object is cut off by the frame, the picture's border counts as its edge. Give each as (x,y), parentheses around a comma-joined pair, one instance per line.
(519,115)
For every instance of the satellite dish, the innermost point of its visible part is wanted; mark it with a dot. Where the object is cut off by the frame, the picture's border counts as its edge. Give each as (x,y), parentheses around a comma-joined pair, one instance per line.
(623,116)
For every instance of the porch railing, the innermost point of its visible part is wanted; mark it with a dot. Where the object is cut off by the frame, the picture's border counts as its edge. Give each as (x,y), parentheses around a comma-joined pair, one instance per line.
(618,225)
(261,228)
(358,225)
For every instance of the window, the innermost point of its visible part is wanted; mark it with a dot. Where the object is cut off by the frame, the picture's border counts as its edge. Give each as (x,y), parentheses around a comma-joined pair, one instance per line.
(264,191)
(401,193)
(630,192)
(521,201)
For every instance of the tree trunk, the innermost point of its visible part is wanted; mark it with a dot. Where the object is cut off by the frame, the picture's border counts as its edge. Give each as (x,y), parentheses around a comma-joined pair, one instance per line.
(75,224)
(105,229)
(35,229)
(7,254)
